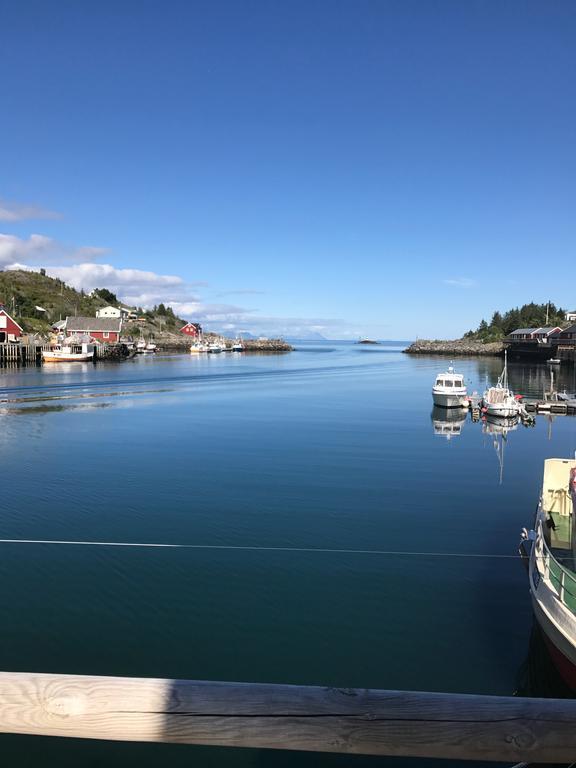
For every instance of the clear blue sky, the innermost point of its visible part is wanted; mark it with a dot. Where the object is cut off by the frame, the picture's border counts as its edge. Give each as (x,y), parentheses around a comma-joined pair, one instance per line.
(382,168)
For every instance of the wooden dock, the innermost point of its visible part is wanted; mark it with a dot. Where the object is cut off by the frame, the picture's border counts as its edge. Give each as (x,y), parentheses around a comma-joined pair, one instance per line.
(567,407)
(21,354)
(291,717)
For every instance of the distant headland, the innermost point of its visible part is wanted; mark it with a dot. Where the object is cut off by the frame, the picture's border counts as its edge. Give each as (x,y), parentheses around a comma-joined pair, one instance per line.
(534,330)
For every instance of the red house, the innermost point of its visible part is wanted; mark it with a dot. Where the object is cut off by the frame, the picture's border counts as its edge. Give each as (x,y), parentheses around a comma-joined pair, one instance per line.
(105,329)
(192,329)
(9,328)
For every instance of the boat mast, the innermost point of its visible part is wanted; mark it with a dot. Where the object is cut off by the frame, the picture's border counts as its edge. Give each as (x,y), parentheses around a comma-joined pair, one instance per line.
(505,371)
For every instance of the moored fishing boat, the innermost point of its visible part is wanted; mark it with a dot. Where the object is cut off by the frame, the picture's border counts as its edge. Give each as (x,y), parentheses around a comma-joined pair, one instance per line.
(449,390)
(237,346)
(550,549)
(499,400)
(198,347)
(70,350)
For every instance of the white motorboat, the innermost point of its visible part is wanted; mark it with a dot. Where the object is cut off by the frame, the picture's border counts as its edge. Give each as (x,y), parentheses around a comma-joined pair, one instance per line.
(151,347)
(500,400)
(141,346)
(198,347)
(549,549)
(70,350)
(214,348)
(237,346)
(449,390)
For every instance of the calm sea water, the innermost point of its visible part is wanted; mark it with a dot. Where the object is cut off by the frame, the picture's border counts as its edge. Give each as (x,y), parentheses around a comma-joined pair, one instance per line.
(333,446)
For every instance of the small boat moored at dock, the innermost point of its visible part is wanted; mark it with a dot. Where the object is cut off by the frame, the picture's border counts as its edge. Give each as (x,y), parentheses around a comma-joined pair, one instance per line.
(70,350)
(449,390)
(550,550)
(499,400)
(198,348)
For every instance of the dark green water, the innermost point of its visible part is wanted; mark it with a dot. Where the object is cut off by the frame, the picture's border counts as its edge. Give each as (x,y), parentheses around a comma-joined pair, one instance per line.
(330,447)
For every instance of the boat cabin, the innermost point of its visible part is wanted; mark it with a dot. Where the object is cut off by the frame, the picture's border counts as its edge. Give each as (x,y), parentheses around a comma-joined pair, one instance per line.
(449,379)
(558,498)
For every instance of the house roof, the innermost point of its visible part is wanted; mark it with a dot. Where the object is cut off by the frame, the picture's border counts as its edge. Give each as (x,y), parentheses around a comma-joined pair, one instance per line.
(524,331)
(570,329)
(3,312)
(549,329)
(98,324)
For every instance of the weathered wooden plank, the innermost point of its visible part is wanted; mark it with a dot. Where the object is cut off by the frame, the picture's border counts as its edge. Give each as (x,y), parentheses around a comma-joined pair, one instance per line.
(310,718)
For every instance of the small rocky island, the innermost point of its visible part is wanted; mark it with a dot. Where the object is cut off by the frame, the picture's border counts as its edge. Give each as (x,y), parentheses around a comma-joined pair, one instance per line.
(455,348)
(367,341)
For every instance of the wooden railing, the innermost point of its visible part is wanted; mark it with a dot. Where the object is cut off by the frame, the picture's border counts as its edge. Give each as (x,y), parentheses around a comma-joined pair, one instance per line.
(345,720)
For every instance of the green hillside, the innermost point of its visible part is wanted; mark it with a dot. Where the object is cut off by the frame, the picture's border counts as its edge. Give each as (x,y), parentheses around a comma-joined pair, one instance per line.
(21,292)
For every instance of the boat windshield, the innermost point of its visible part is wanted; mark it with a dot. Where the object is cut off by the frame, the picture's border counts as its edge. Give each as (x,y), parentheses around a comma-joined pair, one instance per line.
(448,383)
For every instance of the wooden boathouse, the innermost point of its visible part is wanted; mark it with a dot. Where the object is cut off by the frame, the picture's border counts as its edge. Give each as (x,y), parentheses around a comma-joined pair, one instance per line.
(543,343)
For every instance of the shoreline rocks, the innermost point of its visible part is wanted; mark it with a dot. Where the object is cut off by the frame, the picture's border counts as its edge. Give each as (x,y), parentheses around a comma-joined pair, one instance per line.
(455,348)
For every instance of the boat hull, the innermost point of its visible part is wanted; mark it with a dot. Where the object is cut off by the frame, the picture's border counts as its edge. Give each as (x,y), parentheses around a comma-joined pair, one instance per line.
(502,409)
(562,652)
(449,401)
(51,357)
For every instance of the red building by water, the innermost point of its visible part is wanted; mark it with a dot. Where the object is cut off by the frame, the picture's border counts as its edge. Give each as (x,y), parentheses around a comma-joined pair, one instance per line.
(192,329)
(9,328)
(104,329)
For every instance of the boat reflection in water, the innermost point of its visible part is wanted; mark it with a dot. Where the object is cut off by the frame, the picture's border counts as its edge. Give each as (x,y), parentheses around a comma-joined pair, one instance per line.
(447,422)
(498,428)
(537,675)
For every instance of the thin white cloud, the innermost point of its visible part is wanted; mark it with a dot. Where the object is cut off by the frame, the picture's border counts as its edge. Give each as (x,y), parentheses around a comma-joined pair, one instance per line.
(10,211)
(88,276)
(240,292)
(13,249)
(144,288)
(41,250)
(461,282)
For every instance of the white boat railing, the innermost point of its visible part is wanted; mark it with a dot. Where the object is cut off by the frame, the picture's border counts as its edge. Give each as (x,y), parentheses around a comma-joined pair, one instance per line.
(562,579)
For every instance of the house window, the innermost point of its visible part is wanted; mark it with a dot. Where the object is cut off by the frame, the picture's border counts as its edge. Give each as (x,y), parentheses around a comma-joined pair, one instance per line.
(106,335)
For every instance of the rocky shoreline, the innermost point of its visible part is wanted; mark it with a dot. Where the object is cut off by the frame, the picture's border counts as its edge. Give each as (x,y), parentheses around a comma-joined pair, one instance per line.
(182,344)
(455,348)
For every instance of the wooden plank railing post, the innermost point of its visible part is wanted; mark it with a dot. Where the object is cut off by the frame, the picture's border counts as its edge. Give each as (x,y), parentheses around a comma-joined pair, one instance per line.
(354,721)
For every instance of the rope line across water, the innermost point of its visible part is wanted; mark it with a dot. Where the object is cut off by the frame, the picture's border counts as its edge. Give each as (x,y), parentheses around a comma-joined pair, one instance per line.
(253,548)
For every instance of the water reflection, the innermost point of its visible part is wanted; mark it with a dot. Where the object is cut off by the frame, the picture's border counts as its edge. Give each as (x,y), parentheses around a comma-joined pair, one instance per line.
(537,675)
(498,428)
(448,422)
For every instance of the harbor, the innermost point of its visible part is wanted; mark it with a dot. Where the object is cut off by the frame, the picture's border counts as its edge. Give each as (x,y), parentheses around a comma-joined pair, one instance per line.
(303,569)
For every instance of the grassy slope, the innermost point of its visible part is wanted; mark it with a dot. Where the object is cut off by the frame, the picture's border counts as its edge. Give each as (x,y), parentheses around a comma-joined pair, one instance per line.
(22,291)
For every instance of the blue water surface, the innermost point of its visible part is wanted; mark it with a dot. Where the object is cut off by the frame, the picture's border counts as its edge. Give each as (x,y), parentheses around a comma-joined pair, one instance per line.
(362,525)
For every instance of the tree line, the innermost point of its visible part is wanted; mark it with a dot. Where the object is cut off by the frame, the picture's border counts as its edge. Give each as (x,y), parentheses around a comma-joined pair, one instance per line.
(527,316)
